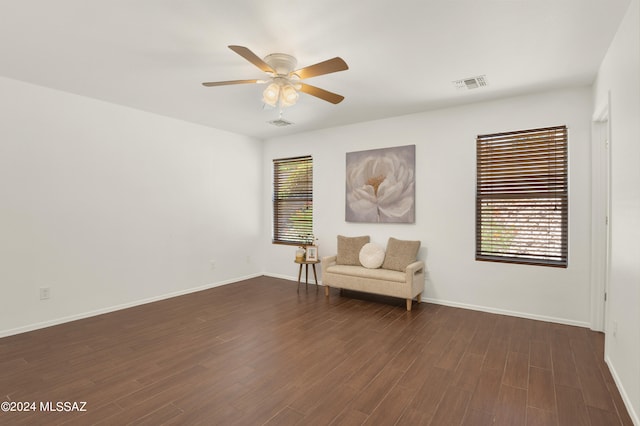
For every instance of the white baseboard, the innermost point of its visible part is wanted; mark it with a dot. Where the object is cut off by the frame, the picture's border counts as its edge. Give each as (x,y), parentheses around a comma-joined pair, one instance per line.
(491,310)
(282,277)
(44,324)
(625,398)
(290,278)
(564,321)
(62,320)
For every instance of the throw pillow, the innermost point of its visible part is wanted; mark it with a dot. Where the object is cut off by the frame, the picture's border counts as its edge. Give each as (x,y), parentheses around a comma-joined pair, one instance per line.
(372,255)
(349,249)
(400,254)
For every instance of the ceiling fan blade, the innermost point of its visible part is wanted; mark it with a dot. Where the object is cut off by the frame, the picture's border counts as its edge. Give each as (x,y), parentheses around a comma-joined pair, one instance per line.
(327,67)
(325,95)
(252,57)
(226,83)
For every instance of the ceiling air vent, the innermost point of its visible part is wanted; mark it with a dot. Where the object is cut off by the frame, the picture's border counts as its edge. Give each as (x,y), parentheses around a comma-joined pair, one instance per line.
(280,122)
(471,82)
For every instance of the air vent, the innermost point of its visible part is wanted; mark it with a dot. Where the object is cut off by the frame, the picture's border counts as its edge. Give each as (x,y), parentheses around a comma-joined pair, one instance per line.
(471,82)
(280,122)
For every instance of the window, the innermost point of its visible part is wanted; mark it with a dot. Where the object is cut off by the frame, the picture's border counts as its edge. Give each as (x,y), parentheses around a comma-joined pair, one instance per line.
(522,197)
(293,201)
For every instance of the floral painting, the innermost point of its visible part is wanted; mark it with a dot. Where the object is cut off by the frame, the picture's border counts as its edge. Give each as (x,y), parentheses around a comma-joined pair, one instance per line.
(380,185)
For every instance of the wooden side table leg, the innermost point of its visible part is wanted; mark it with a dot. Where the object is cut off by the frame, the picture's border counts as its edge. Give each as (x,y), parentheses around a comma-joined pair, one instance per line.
(306,277)
(315,277)
(299,274)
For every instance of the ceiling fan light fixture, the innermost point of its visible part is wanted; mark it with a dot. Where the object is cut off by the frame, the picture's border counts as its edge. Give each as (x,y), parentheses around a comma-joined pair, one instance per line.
(288,96)
(271,94)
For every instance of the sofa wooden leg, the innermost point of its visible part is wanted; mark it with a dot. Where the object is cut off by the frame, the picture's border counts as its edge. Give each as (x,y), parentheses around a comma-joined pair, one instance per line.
(419,298)
(326,290)
(409,304)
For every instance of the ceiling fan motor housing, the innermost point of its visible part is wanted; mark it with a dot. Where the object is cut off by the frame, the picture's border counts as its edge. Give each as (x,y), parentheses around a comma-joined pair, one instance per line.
(282,63)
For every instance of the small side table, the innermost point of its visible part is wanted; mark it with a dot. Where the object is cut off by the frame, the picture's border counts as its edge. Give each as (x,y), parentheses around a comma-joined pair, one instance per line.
(306,264)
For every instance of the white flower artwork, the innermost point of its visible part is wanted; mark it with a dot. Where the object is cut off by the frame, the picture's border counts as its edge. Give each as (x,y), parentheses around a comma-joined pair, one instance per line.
(380,185)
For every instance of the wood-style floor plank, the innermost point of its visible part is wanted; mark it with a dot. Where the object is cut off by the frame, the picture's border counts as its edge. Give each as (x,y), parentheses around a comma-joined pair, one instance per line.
(257,352)
(541,392)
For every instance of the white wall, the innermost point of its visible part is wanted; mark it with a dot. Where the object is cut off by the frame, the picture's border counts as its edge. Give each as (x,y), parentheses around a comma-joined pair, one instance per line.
(109,206)
(445,203)
(619,79)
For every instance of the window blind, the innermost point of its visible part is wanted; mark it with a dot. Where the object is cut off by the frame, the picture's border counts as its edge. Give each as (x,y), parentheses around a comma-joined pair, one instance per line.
(293,200)
(522,197)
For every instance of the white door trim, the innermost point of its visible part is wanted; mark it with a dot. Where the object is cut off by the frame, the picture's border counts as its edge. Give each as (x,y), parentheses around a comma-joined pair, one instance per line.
(600,216)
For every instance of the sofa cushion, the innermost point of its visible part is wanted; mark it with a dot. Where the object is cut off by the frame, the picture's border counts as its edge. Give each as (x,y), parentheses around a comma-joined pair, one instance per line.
(361,272)
(371,255)
(349,249)
(400,253)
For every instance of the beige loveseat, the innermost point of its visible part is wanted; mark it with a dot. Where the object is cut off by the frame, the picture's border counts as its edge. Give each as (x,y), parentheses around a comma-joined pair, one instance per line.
(400,275)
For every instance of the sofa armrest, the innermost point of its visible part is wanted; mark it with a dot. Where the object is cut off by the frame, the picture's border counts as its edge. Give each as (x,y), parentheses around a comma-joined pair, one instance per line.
(414,268)
(330,259)
(415,273)
(415,278)
(326,262)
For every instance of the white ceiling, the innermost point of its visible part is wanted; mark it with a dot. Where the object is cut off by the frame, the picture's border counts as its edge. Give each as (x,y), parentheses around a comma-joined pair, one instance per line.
(403,55)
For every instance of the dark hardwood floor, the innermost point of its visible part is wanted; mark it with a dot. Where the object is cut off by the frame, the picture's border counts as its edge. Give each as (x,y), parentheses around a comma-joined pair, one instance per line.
(256,352)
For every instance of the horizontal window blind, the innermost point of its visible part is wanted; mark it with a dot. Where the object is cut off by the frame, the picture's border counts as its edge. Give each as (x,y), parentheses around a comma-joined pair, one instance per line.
(522,197)
(293,200)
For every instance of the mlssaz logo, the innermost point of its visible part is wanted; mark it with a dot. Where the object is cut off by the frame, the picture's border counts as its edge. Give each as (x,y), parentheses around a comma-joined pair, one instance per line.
(64,406)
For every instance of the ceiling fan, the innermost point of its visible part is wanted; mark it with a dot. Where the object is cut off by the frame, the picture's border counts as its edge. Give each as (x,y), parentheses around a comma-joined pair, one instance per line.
(284,80)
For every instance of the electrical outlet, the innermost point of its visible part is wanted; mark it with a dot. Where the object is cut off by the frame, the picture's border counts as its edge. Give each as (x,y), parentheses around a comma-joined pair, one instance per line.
(45,293)
(615,328)
(212,265)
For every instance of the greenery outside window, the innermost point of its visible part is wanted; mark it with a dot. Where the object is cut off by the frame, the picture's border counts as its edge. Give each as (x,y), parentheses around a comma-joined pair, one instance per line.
(522,197)
(293,201)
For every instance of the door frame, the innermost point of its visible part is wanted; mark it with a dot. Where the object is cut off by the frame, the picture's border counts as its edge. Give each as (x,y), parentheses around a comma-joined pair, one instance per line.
(600,216)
